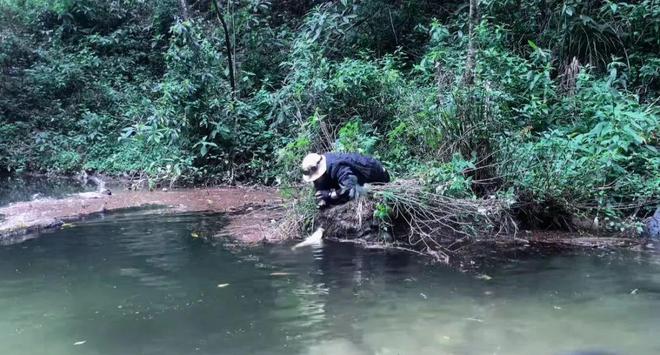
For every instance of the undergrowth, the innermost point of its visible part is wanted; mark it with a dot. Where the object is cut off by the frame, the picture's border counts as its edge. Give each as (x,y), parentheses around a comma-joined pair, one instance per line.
(561,112)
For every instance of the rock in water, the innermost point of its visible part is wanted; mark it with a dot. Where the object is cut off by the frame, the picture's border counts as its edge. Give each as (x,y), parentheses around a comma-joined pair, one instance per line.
(316,239)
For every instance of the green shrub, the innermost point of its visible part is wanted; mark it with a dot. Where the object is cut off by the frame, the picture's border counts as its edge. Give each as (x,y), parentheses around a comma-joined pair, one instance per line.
(562,106)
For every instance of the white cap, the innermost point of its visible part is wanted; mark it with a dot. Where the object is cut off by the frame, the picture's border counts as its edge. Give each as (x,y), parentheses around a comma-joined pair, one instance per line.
(313,167)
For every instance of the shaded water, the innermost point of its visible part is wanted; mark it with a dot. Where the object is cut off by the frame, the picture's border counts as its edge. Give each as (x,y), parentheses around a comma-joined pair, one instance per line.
(141,283)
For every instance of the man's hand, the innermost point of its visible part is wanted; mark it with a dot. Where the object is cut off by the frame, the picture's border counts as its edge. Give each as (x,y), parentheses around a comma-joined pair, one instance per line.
(322,198)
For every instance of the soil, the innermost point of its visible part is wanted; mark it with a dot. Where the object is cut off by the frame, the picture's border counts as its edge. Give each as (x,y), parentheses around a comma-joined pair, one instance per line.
(252,211)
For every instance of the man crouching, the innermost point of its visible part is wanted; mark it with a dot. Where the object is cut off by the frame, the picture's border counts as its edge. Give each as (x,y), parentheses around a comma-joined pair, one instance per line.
(339,177)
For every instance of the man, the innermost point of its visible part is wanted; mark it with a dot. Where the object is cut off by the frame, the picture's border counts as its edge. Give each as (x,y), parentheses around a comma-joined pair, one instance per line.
(653,225)
(338,177)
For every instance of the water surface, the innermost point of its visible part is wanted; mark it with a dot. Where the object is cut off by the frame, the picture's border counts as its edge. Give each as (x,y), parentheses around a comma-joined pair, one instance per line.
(143,283)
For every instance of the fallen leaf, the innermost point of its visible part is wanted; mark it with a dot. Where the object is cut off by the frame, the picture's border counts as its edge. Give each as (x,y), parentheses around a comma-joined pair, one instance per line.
(475,319)
(484,277)
(222,285)
(280,273)
(80,342)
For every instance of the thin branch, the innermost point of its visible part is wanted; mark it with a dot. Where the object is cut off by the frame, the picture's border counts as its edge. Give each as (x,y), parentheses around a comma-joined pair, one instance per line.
(228,47)
(468,76)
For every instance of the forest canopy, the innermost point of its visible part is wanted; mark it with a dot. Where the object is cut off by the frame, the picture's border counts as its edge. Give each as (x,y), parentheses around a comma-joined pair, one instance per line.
(548,103)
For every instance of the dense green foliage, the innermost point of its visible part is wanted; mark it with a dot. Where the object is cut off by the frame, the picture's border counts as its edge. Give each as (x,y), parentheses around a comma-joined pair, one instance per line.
(561,112)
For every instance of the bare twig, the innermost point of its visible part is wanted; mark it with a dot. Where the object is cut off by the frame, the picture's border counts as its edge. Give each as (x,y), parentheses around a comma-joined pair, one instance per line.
(228,46)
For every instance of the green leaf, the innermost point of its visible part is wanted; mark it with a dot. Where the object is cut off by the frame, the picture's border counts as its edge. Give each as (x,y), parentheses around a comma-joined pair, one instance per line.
(613,7)
(632,134)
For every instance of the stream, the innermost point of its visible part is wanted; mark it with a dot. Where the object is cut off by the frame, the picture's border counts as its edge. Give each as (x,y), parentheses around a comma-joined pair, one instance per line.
(140,282)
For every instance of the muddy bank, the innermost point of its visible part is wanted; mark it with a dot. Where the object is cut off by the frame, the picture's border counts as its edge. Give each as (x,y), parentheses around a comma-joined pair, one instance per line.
(256,215)
(252,211)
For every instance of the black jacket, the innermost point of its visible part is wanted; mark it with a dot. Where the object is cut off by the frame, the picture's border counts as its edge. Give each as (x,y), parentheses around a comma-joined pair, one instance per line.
(345,171)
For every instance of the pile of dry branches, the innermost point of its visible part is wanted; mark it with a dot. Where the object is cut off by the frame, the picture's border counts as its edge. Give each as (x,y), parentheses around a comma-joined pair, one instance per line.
(441,225)
(405,215)
(408,215)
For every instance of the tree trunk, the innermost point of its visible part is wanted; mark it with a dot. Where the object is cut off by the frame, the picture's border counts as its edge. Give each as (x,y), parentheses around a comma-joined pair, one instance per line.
(230,60)
(468,76)
(184,9)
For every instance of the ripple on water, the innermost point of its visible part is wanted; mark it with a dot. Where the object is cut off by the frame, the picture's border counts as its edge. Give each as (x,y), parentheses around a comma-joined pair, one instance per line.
(143,282)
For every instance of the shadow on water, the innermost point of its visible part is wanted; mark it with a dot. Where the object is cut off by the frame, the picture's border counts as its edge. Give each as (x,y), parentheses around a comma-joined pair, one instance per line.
(150,283)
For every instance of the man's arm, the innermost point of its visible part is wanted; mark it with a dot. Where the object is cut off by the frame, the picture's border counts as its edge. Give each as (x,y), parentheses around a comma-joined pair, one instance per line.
(347,185)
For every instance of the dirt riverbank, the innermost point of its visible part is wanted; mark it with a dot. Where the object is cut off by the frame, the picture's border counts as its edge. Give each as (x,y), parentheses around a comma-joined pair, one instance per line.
(252,211)
(253,215)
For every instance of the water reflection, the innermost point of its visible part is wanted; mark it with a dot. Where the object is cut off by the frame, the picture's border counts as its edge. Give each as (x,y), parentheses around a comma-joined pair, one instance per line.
(148,283)
(380,303)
